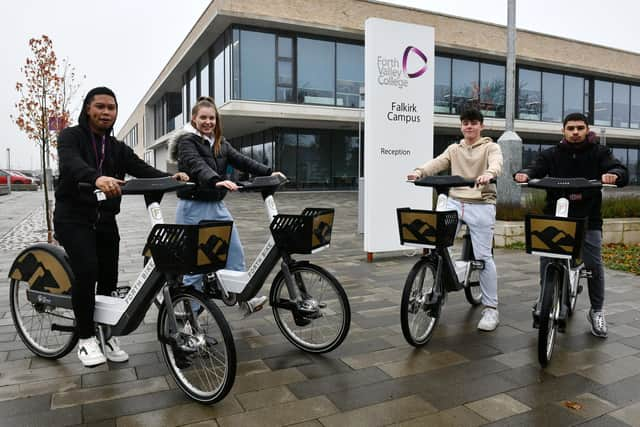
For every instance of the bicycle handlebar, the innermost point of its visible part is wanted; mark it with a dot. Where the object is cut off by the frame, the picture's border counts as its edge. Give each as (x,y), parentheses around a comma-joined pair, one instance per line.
(140,186)
(262,183)
(566,184)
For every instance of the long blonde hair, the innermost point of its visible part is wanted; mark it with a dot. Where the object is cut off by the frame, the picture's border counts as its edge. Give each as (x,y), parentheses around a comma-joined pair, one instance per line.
(208,102)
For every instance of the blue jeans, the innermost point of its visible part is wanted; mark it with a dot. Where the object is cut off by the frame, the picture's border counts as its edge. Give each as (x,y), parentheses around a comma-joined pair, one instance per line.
(194,211)
(481,221)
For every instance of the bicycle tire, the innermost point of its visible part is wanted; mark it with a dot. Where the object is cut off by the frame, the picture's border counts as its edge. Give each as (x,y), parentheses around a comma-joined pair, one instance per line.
(34,323)
(412,301)
(572,297)
(549,310)
(472,290)
(210,343)
(306,333)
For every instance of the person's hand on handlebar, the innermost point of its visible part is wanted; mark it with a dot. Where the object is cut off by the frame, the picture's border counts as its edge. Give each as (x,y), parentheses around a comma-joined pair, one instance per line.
(278,173)
(412,176)
(181,176)
(484,179)
(109,186)
(521,177)
(609,178)
(229,185)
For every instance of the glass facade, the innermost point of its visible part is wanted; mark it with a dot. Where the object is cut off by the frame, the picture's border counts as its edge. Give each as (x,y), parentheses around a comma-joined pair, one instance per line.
(310,158)
(254,64)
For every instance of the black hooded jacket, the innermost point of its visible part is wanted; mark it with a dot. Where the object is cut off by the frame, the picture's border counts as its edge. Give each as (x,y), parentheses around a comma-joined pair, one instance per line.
(78,163)
(588,160)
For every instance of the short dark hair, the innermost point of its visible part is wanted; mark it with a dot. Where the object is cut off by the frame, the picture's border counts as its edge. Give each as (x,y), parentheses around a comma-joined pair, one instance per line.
(575,117)
(471,114)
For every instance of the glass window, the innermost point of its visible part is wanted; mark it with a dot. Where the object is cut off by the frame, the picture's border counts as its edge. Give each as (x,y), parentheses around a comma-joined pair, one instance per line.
(316,71)
(193,87)
(286,155)
(257,66)
(552,97)
(442,89)
(634,168)
(529,94)
(227,65)
(492,90)
(635,107)
(529,153)
(268,148)
(350,74)
(235,51)
(620,105)
(158,120)
(620,154)
(464,85)
(314,159)
(218,71)
(344,159)
(174,111)
(573,95)
(204,75)
(185,104)
(285,47)
(285,73)
(602,103)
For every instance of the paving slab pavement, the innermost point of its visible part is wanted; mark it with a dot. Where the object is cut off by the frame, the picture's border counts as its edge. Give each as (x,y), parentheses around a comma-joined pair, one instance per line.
(462,377)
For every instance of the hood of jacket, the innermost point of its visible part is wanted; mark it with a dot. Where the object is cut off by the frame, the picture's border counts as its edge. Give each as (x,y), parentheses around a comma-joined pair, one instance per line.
(175,140)
(481,141)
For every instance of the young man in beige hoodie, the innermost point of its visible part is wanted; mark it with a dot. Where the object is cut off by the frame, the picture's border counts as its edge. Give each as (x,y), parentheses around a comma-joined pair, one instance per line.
(479,158)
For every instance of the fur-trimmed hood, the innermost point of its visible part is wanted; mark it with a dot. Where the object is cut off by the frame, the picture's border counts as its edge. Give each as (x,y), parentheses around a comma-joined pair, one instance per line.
(175,139)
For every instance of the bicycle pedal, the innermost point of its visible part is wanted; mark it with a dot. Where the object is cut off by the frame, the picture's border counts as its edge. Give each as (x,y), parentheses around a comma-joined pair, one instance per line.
(586,273)
(477,265)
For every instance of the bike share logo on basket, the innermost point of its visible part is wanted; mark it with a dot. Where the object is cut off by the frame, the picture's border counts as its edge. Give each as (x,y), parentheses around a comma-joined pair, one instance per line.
(393,72)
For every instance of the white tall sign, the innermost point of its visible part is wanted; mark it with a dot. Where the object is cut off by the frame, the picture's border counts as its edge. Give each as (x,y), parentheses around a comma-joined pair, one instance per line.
(399,69)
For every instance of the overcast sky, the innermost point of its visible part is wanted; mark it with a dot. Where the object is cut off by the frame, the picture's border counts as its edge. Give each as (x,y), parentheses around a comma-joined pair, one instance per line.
(124,44)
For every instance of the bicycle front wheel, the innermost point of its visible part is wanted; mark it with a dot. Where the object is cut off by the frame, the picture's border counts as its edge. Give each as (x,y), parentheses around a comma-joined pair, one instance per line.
(472,290)
(327,326)
(201,356)
(419,313)
(46,330)
(549,312)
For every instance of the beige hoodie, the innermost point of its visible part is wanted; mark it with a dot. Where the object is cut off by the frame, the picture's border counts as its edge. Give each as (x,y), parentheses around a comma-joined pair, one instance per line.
(468,161)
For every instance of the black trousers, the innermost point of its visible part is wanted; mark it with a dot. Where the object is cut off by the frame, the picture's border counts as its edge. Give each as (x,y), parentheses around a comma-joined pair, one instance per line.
(93,253)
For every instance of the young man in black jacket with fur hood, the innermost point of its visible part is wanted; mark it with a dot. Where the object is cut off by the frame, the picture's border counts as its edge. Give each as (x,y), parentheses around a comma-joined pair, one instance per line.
(87,230)
(579,155)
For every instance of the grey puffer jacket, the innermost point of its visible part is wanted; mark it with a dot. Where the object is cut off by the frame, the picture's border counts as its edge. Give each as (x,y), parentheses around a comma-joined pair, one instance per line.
(194,156)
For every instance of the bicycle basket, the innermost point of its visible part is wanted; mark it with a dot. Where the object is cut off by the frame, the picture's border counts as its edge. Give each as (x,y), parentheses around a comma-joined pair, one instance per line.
(183,249)
(554,236)
(304,233)
(427,228)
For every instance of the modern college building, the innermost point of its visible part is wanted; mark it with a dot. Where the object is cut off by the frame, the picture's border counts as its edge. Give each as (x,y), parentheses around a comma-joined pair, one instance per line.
(288,78)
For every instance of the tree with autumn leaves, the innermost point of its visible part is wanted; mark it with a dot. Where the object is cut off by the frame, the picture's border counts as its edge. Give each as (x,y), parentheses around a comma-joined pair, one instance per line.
(44,102)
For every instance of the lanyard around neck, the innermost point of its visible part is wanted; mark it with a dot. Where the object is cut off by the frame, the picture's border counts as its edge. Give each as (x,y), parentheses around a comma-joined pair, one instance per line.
(100,158)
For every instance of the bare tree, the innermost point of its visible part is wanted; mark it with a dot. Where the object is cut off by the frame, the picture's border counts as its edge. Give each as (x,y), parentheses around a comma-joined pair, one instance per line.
(43,105)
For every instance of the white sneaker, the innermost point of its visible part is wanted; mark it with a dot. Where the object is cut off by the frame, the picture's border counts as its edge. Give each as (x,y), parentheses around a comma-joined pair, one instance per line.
(89,352)
(253,305)
(489,320)
(114,352)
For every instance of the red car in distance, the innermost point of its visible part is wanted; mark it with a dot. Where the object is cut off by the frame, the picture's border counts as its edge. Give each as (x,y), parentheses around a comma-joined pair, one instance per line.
(15,178)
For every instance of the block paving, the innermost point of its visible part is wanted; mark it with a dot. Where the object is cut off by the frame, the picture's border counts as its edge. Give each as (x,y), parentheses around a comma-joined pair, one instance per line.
(461,378)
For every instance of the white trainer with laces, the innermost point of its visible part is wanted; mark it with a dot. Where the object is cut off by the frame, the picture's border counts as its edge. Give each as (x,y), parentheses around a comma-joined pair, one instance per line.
(114,352)
(489,320)
(89,352)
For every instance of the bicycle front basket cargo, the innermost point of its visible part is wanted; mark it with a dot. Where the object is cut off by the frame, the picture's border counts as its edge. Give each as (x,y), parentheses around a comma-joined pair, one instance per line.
(304,233)
(182,249)
(427,228)
(554,236)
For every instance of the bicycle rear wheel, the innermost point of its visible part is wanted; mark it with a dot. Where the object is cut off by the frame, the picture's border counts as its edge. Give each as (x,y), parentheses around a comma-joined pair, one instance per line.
(418,313)
(472,290)
(202,356)
(316,332)
(46,330)
(549,312)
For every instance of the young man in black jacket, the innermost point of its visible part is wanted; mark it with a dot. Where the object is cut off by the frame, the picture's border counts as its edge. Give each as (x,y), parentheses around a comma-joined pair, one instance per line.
(579,155)
(87,230)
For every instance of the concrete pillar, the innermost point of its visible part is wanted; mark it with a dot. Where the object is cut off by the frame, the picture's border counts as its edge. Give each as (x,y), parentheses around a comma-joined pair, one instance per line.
(511,146)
